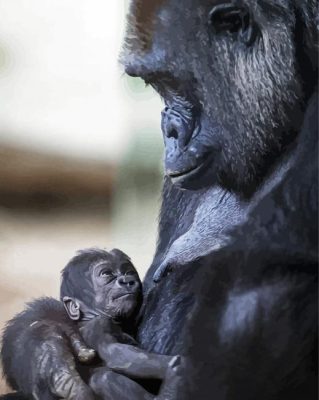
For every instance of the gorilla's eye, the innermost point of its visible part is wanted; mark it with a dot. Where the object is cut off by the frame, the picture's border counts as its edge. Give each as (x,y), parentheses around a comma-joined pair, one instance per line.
(131,272)
(106,272)
(228,18)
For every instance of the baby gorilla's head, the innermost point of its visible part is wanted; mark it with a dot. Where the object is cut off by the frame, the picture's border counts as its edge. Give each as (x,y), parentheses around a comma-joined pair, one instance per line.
(96,282)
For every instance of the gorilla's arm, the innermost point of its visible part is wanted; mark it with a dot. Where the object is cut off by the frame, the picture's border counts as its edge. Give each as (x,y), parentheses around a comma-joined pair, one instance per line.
(136,363)
(252,337)
(121,354)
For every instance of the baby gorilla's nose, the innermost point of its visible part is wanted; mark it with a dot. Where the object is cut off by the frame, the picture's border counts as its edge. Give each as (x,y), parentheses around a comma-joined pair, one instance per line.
(126,281)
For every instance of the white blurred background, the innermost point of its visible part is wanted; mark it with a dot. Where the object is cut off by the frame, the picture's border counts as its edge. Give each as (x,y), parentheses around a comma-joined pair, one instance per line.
(80,146)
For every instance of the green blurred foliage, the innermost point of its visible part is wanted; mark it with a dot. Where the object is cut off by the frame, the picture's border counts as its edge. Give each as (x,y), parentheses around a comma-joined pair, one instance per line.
(137,88)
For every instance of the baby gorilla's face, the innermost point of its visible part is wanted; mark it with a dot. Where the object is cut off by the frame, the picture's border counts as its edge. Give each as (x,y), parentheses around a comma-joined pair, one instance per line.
(117,287)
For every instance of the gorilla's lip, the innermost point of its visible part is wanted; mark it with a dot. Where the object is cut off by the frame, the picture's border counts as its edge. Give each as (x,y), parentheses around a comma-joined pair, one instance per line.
(184,172)
(177,176)
(124,295)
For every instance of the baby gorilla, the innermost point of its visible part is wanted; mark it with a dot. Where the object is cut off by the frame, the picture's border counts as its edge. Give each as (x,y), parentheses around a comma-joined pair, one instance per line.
(102,293)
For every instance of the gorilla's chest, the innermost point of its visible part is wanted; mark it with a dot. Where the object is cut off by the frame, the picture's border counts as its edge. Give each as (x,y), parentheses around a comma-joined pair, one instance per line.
(217,213)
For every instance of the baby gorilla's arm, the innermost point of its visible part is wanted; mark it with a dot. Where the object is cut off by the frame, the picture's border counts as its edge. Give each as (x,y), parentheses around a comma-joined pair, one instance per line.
(136,363)
(120,354)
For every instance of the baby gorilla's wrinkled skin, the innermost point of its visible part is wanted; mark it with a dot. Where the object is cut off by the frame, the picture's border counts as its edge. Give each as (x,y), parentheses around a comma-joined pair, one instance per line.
(100,283)
(102,293)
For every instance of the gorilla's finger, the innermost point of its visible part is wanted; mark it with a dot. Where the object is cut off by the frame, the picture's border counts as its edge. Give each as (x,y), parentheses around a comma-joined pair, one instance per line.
(84,354)
(173,382)
(162,271)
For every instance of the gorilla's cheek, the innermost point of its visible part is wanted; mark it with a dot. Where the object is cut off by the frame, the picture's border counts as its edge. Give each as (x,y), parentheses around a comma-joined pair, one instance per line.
(191,148)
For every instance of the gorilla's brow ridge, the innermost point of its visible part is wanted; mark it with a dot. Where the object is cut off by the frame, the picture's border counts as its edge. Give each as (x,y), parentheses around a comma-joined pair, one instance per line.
(144,11)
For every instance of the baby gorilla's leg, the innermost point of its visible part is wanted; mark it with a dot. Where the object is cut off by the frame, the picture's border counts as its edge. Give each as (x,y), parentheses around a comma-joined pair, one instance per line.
(59,377)
(110,385)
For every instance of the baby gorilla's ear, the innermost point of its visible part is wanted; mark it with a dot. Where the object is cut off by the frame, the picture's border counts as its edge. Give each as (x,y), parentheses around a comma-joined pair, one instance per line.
(72,308)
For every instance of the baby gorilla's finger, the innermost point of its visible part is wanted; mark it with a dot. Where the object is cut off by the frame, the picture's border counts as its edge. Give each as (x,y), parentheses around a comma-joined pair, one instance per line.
(84,354)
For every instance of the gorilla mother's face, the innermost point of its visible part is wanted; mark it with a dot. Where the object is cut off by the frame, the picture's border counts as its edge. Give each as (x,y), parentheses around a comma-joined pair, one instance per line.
(227,73)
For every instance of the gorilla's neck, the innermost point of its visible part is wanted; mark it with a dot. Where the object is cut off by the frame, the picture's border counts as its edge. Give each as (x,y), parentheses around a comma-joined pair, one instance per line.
(202,221)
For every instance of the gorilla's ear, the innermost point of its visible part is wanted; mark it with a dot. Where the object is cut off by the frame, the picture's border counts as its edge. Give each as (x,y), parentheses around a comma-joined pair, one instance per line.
(72,307)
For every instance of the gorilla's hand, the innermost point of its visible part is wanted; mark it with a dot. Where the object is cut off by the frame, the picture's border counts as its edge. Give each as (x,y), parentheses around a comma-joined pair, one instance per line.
(171,388)
(164,269)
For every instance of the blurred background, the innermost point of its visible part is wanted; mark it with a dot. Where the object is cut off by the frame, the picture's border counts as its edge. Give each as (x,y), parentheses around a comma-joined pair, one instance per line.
(80,146)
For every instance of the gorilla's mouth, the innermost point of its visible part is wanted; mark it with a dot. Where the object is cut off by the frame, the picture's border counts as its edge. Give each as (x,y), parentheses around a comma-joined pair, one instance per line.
(185,173)
(124,295)
(190,172)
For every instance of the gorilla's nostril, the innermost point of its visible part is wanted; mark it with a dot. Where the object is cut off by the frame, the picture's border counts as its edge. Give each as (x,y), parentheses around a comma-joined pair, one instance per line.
(125,281)
(172,133)
(177,126)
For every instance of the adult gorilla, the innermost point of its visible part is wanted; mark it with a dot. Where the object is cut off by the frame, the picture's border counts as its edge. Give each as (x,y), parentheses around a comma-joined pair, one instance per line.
(238,226)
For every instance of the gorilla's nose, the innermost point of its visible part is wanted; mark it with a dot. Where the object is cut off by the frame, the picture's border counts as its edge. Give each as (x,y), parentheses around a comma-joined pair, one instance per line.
(177,126)
(145,65)
(126,281)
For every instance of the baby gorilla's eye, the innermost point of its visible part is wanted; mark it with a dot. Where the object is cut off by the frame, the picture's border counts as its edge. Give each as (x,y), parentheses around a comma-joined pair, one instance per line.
(106,272)
(130,273)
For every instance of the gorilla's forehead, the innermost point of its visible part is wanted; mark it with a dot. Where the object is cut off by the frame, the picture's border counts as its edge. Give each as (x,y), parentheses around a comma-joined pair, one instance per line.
(143,13)
(142,16)
(144,10)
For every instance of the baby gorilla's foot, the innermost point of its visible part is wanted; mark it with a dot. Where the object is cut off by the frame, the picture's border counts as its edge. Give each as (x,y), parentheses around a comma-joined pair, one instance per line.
(84,354)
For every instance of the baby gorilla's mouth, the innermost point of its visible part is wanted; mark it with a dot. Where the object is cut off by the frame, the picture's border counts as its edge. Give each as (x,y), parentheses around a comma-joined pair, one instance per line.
(124,295)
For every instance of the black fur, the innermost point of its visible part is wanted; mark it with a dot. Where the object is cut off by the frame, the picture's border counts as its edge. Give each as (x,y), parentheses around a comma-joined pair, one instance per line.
(255,301)
(18,339)
(241,299)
